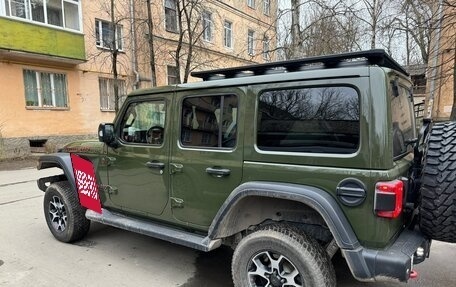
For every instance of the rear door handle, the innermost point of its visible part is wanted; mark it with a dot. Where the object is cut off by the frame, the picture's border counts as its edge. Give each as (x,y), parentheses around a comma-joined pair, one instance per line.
(218,172)
(154,164)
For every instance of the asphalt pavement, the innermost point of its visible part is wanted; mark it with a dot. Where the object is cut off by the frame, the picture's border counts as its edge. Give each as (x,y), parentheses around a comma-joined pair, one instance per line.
(30,256)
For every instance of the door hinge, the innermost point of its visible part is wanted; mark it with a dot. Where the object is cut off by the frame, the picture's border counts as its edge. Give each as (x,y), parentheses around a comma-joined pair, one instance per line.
(109,189)
(107,160)
(177,202)
(175,167)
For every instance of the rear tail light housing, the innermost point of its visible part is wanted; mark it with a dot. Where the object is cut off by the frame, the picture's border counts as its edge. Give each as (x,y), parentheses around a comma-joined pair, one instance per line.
(389,198)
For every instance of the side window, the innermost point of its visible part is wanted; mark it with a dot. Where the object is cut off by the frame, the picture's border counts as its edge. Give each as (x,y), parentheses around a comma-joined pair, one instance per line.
(144,122)
(317,120)
(209,121)
(402,121)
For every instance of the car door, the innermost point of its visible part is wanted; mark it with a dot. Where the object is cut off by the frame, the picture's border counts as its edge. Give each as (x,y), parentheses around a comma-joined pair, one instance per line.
(138,167)
(206,159)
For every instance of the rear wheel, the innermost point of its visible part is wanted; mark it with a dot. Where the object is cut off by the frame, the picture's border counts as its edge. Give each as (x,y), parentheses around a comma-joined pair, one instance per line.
(438,195)
(280,255)
(64,215)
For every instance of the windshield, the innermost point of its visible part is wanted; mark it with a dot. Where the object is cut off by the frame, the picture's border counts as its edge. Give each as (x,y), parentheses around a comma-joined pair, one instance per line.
(402,120)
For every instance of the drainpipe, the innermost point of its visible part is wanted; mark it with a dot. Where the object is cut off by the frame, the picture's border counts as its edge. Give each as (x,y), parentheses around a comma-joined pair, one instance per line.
(430,106)
(134,56)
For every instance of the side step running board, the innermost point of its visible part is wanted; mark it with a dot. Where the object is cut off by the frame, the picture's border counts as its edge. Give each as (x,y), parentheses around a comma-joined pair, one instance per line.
(154,230)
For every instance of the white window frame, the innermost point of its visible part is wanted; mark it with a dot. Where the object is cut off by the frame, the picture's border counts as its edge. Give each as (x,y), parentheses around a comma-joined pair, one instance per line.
(266,7)
(28,18)
(2,8)
(99,41)
(251,3)
(266,48)
(251,42)
(52,89)
(208,26)
(228,31)
(110,93)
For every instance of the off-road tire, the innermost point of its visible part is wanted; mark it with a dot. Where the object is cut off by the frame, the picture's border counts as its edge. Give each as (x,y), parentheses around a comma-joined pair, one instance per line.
(60,202)
(305,254)
(437,193)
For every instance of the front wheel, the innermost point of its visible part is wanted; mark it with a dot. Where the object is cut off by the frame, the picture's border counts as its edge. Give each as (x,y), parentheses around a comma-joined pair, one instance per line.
(280,255)
(64,215)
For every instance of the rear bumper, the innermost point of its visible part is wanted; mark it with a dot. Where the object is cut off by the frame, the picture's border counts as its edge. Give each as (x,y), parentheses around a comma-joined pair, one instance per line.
(393,263)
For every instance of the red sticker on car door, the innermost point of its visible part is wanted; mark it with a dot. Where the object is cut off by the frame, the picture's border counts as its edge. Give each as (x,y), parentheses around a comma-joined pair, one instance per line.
(86,183)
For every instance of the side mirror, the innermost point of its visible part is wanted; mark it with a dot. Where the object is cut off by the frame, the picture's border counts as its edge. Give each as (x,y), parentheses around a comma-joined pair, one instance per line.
(106,133)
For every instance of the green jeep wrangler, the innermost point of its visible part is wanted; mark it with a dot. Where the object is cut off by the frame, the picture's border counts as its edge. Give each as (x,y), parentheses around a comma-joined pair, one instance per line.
(286,162)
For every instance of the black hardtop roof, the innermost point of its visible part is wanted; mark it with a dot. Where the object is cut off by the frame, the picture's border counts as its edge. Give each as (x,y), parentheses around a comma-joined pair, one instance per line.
(337,66)
(370,57)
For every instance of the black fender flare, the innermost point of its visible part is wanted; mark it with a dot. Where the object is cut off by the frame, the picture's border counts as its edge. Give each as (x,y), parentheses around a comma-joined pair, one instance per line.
(320,200)
(60,160)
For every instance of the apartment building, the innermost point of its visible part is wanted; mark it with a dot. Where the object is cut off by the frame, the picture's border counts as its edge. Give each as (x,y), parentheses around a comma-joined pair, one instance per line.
(441,65)
(56,68)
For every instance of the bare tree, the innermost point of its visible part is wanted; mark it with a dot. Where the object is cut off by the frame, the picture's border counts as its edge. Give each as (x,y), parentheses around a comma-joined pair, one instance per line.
(114,54)
(150,41)
(415,21)
(442,57)
(450,29)
(315,27)
(107,50)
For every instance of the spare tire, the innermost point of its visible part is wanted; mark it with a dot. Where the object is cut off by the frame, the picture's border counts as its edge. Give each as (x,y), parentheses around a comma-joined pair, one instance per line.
(438,182)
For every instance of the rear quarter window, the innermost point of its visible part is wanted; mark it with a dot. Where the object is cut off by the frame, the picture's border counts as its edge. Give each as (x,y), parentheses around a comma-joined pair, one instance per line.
(402,121)
(316,120)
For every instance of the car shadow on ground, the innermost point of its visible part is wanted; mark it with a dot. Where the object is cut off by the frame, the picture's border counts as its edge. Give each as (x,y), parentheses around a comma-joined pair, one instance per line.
(214,269)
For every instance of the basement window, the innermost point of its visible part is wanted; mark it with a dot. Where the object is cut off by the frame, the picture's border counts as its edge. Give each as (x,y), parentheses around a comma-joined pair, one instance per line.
(38,146)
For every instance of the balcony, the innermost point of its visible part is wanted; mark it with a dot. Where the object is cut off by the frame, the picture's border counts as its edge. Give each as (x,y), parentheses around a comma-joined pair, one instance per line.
(32,42)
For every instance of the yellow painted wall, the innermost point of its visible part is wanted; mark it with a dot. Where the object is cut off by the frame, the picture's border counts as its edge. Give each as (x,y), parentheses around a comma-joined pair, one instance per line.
(440,72)
(84,114)
(81,118)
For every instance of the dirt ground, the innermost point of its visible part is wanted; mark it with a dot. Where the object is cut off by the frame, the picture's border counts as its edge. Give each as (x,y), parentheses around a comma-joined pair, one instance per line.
(18,163)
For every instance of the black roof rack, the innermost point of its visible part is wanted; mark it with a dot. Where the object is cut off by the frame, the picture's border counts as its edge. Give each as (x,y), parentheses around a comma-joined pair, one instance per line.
(373,57)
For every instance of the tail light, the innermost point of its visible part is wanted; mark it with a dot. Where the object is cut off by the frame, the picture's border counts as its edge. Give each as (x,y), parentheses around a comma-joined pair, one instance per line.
(389,198)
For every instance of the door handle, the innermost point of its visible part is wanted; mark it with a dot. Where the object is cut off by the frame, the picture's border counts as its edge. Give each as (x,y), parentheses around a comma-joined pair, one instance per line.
(218,172)
(154,164)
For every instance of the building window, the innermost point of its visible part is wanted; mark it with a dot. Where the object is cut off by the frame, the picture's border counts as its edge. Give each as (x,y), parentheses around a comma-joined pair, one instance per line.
(44,89)
(171,16)
(251,3)
(266,48)
(228,34)
(107,98)
(60,13)
(105,33)
(266,7)
(172,75)
(250,42)
(207,26)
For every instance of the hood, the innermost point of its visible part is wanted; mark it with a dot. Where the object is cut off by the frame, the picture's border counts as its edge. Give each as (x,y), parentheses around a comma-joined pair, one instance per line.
(84,147)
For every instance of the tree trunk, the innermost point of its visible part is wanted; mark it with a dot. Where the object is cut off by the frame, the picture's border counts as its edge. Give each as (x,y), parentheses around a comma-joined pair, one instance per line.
(180,42)
(374,23)
(114,58)
(190,45)
(453,109)
(295,30)
(150,42)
